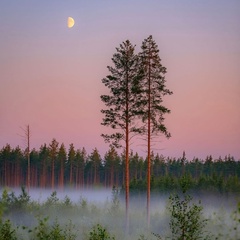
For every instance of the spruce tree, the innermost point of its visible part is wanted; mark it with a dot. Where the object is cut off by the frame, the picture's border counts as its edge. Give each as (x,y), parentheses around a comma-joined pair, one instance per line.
(62,157)
(53,152)
(96,162)
(44,159)
(71,158)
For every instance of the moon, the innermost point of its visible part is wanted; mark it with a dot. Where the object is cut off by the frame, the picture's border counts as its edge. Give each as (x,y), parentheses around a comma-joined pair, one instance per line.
(70,22)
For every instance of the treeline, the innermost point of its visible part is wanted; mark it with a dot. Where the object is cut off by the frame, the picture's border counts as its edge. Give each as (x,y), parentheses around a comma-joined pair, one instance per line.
(54,166)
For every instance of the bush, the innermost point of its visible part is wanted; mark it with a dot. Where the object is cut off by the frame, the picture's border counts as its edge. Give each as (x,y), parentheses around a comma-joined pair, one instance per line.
(186,220)
(45,231)
(6,231)
(99,233)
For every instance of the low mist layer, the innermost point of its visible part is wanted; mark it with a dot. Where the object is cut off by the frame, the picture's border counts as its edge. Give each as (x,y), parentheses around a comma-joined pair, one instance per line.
(83,209)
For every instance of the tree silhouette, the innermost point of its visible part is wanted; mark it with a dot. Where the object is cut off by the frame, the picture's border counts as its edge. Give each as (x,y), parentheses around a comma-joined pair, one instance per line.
(62,157)
(71,158)
(210,175)
(121,109)
(150,99)
(53,151)
(44,157)
(111,161)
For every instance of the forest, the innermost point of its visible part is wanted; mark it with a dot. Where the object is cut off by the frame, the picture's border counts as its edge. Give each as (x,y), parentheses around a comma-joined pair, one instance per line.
(53,166)
(133,107)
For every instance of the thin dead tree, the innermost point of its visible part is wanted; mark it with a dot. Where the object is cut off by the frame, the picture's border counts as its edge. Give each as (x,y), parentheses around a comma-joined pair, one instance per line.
(26,138)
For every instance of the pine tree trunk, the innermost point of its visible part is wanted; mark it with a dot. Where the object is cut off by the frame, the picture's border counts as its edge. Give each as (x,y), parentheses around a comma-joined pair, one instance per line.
(95,175)
(77,177)
(112,177)
(149,149)
(17,179)
(6,173)
(127,181)
(127,161)
(70,180)
(28,157)
(43,185)
(81,177)
(53,176)
(61,175)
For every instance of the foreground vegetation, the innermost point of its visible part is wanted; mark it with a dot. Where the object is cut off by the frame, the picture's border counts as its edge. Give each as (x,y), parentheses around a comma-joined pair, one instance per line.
(181,218)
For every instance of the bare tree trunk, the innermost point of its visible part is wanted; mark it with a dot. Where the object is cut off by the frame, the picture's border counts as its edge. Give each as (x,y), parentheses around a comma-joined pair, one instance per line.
(116,178)
(53,170)
(26,138)
(106,182)
(95,174)
(71,173)
(44,173)
(112,176)
(61,174)
(17,174)
(28,156)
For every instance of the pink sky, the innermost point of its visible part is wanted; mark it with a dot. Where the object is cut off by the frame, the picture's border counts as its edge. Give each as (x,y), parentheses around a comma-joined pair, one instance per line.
(50,76)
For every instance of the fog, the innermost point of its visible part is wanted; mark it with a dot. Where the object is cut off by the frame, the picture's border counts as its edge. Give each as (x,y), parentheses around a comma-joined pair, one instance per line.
(87,207)
(92,195)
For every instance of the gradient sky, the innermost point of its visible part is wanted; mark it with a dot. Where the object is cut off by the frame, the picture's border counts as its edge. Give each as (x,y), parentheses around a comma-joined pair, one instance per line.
(50,76)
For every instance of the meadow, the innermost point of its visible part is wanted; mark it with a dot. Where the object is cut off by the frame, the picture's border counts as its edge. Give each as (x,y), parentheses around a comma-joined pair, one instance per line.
(84,215)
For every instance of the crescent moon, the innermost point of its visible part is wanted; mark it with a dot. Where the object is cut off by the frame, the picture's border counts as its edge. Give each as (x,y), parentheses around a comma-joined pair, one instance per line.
(70,22)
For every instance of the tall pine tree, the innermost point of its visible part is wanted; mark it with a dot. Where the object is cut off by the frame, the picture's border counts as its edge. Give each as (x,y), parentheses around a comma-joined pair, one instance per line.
(121,108)
(150,100)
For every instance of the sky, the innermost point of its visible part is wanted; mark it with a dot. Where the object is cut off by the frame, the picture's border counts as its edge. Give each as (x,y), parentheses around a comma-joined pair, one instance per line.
(50,75)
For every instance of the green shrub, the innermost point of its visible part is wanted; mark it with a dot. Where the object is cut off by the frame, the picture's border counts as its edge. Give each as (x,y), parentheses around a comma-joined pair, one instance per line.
(45,231)
(231,229)
(186,220)
(99,233)
(6,231)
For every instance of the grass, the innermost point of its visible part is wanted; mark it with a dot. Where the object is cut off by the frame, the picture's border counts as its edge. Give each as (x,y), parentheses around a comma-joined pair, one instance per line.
(23,218)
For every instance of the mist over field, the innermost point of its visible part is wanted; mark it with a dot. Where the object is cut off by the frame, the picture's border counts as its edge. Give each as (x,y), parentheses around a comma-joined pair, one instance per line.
(93,195)
(211,201)
(85,208)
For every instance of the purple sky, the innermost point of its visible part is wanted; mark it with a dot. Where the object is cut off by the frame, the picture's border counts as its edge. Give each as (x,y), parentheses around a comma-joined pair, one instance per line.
(50,75)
